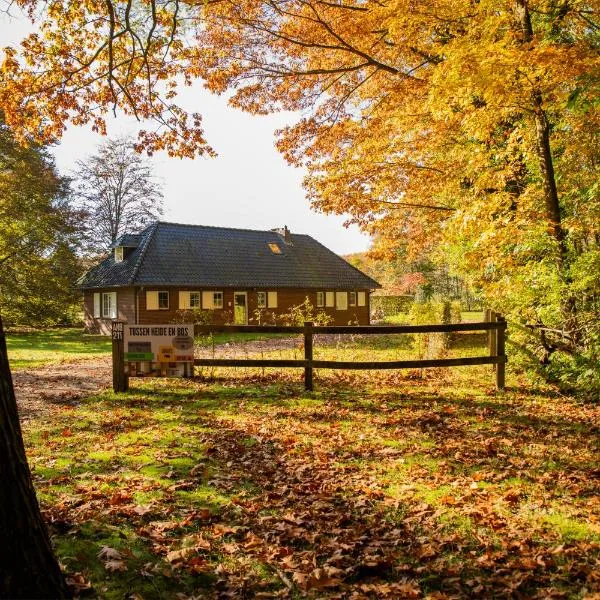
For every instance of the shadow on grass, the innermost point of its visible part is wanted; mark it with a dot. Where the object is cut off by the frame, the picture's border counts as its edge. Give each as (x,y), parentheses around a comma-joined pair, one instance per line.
(225,489)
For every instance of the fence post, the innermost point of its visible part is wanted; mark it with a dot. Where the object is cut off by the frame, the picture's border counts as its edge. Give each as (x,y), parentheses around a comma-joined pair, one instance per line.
(493,337)
(120,380)
(501,351)
(487,317)
(308,356)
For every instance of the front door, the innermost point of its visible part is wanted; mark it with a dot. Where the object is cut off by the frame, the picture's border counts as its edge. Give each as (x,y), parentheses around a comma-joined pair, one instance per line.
(240,308)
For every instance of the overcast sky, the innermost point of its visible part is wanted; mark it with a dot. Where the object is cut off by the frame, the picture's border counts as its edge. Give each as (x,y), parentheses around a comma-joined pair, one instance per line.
(248,185)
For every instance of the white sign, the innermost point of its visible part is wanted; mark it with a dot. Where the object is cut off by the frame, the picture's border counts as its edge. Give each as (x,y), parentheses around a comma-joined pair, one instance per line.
(163,345)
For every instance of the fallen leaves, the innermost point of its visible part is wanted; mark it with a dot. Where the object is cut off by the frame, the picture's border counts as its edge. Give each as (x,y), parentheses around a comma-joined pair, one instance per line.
(315,580)
(112,559)
(381,496)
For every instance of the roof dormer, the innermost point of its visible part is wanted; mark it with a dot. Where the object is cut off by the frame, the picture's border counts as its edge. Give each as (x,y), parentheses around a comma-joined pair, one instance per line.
(125,245)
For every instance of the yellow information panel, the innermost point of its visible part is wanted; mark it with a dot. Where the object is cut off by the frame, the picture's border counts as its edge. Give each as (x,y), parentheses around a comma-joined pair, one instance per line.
(159,350)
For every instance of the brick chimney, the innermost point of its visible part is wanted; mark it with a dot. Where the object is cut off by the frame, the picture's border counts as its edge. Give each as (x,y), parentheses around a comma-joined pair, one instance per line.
(284,232)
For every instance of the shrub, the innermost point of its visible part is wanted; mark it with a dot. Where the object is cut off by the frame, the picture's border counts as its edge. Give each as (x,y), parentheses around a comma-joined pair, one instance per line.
(300,313)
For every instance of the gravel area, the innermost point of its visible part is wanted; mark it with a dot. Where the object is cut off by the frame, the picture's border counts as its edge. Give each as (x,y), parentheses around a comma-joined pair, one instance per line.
(44,389)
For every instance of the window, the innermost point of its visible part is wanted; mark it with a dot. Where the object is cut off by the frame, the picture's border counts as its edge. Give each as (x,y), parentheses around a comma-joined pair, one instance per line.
(329,299)
(362,298)
(163,300)
(261,299)
(188,300)
(109,305)
(272,298)
(275,249)
(194,299)
(352,298)
(217,299)
(157,300)
(119,254)
(320,299)
(341,300)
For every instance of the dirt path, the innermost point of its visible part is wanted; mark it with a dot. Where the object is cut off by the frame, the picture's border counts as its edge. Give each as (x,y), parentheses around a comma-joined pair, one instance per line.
(43,389)
(240,348)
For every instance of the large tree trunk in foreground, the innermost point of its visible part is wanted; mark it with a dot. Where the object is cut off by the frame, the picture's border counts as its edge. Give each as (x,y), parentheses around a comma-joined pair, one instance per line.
(28,568)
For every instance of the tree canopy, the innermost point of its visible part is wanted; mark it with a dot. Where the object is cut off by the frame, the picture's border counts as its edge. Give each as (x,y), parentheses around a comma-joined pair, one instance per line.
(116,191)
(38,237)
(463,126)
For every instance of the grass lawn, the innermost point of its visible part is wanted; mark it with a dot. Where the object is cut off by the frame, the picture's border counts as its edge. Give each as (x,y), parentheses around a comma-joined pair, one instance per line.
(33,349)
(38,348)
(232,338)
(381,485)
(402,318)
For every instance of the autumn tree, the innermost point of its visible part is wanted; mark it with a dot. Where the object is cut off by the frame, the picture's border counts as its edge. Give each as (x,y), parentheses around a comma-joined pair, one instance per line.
(454,125)
(467,128)
(34,248)
(39,237)
(117,192)
(29,568)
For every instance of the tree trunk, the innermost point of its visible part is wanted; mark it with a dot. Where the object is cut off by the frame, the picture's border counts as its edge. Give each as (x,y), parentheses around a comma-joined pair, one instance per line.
(542,130)
(552,204)
(28,568)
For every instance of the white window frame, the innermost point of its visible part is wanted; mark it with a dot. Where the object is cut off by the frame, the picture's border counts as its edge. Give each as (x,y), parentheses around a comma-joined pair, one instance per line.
(119,254)
(162,293)
(330,299)
(362,298)
(320,299)
(261,299)
(217,300)
(352,299)
(108,305)
(198,302)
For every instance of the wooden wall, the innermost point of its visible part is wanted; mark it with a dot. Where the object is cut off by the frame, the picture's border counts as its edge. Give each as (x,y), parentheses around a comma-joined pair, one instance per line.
(286,299)
(125,309)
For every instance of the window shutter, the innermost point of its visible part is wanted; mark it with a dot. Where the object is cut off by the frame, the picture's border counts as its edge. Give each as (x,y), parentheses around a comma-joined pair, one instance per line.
(151,300)
(341,300)
(362,299)
(207,300)
(272,299)
(113,305)
(329,299)
(184,300)
(96,305)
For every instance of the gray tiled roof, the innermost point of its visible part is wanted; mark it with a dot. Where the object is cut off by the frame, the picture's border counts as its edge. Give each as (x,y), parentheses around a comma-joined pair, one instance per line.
(171,254)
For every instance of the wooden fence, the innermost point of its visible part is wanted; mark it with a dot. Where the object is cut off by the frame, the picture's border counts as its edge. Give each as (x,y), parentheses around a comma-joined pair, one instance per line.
(494,324)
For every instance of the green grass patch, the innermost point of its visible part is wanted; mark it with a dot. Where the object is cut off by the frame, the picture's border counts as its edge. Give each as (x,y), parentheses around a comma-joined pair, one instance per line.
(36,348)
(247,485)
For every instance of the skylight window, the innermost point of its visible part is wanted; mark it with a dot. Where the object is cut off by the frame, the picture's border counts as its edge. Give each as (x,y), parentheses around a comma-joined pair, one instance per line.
(275,249)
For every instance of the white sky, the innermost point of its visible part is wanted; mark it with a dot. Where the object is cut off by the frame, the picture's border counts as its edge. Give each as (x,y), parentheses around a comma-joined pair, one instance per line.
(248,185)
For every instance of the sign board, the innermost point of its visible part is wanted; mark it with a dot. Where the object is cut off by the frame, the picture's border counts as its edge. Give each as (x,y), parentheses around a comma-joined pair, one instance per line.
(159,350)
(117,330)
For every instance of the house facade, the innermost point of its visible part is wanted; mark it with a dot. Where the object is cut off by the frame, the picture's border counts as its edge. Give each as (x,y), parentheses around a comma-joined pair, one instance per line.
(170,272)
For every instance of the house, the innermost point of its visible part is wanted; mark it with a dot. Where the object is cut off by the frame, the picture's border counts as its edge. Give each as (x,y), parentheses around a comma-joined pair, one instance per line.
(236,276)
